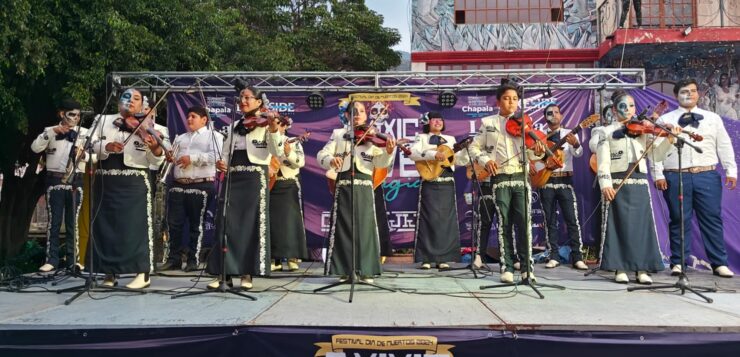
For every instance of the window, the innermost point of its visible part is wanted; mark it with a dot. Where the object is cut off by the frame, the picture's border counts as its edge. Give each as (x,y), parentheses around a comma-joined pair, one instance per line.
(508,11)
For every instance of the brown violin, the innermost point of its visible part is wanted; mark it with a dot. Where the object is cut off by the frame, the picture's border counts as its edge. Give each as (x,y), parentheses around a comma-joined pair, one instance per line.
(263,118)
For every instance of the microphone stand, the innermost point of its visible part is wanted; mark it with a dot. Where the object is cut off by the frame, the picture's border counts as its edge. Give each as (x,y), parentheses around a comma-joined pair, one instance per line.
(353,274)
(223,221)
(91,282)
(528,281)
(682,283)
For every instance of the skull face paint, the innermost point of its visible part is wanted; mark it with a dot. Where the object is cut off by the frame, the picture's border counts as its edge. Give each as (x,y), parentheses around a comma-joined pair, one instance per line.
(688,96)
(625,108)
(71,118)
(130,102)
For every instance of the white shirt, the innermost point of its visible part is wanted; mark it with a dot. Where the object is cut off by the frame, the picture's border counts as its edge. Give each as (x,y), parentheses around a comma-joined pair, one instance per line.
(57,151)
(203,147)
(136,153)
(291,164)
(568,151)
(716,145)
(259,143)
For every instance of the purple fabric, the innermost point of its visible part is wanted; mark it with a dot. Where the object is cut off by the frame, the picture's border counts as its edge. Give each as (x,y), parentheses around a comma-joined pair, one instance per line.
(461,121)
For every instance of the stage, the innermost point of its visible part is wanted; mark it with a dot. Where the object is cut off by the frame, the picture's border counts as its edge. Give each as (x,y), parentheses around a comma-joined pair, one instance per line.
(449,306)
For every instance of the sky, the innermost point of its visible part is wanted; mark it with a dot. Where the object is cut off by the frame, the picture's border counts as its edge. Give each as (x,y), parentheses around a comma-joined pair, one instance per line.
(396,14)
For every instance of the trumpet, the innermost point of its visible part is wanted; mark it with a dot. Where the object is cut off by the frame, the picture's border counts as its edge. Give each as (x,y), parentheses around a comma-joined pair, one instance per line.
(165,170)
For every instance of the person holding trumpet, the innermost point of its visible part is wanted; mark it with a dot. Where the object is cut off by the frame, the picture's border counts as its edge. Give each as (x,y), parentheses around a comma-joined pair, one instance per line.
(194,158)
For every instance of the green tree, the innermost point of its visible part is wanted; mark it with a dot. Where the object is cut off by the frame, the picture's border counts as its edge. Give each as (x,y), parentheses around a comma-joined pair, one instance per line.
(53,48)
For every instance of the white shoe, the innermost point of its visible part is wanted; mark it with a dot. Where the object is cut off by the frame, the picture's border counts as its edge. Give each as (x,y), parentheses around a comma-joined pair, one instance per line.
(531,275)
(507,277)
(275,267)
(46,268)
(80,267)
(478,262)
(443,266)
(676,270)
(644,278)
(141,281)
(621,277)
(343,278)
(293,265)
(367,279)
(426,266)
(552,264)
(723,271)
(214,284)
(580,265)
(246,282)
(110,281)
(517,266)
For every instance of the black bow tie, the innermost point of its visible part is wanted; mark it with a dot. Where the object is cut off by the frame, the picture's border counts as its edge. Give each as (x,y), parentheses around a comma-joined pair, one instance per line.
(241,129)
(437,140)
(71,135)
(690,118)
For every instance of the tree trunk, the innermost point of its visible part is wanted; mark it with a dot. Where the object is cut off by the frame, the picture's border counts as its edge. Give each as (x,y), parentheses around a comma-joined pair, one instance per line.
(18,200)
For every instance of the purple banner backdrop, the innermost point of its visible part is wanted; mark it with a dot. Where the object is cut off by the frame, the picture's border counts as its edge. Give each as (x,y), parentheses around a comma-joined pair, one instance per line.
(398,115)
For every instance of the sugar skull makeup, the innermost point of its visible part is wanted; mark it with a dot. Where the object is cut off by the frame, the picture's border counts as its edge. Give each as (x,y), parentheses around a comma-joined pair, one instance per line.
(130,102)
(71,118)
(626,108)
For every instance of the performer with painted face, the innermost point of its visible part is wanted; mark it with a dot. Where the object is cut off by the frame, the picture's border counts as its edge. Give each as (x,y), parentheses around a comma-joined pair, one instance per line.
(559,192)
(702,185)
(437,236)
(358,211)
(193,186)
(499,151)
(60,143)
(255,140)
(629,237)
(122,201)
(287,232)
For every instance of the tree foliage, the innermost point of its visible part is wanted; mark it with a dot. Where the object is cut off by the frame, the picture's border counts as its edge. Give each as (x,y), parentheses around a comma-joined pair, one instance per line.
(54,48)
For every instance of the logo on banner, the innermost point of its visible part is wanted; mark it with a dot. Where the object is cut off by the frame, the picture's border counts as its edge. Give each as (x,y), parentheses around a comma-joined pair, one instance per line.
(478,107)
(283,107)
(406,98)
(217,105)
(391,345)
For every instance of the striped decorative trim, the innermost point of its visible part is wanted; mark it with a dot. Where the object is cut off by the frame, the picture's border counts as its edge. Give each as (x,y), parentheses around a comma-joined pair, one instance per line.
(558,186)
(242,168)
(443,179)
(357,183)
(283,178)
(630,181)
(507,184)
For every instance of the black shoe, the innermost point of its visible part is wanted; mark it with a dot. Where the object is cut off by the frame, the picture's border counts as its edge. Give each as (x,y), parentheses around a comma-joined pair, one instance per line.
(170,265)
(191,266)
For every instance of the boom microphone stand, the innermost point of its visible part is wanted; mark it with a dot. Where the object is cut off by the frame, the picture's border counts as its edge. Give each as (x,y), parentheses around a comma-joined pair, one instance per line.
(683,280)
(528,281)
(353,274)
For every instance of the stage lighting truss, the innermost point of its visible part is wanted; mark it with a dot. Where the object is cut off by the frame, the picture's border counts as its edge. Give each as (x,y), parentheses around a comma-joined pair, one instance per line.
(447,99)
(433,81)
(315,100)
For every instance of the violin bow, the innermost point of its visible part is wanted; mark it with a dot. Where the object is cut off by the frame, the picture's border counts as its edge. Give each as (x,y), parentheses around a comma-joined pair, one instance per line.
(125,141)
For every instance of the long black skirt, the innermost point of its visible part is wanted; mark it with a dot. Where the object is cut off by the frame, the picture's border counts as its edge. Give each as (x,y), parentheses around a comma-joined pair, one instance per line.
(287,232)
(367,245)
(247,226)
(437,238)
(629,239)
(381,216)
(121,225)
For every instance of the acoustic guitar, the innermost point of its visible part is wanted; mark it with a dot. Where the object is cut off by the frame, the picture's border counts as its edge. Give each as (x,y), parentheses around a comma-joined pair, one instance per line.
(275,163)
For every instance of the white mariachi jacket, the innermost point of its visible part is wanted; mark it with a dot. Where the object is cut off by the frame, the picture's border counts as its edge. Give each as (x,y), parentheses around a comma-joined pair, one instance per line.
(617,154)
(291,164)
(367,156)
(422,150)
(136,153)
(166,140)
(57,151)
(259,143)
(492,142)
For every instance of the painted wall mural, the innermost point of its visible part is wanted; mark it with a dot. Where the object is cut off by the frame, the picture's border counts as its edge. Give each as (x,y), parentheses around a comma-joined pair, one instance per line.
(434,29)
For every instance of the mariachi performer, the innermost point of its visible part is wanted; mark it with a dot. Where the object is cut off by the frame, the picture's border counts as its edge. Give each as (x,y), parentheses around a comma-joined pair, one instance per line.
(354,209)
(245,240)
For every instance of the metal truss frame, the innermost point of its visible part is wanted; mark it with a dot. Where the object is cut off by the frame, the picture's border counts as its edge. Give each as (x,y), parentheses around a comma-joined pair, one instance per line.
(553,78)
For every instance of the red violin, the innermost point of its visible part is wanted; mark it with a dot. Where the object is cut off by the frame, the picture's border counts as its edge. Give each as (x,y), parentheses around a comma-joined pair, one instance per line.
(636,128)
(364,134)
(514,128)
(263,118)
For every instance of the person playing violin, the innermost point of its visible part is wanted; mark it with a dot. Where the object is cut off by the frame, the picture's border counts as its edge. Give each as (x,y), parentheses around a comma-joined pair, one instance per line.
(702,185)
(358,206)
(122,228)
(62,199)
(629,239)
(559,191)
(437,236)
(194,173)
(287,230)
(499,150)
(256,138)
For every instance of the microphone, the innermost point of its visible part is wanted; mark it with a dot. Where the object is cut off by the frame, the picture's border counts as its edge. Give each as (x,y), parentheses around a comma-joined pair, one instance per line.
(159,140)
(537,138)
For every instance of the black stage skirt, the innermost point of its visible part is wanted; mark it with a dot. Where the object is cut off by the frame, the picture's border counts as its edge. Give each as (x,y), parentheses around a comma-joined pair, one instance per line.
(437,238)
(247,221)
(287,232)
(630,242)
(381,216)
(122,224)
(367,249)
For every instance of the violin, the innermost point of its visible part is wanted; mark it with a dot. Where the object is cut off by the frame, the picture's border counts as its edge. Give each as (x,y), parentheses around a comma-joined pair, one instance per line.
(637,128)
(262,118)
(514,128)
(364,135)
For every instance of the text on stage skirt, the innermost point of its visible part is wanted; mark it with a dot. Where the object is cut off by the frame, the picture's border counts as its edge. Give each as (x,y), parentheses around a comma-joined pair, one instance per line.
(629,239)
(121,222)
(287,232)
(367,249)
(437,238)
(247,221)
